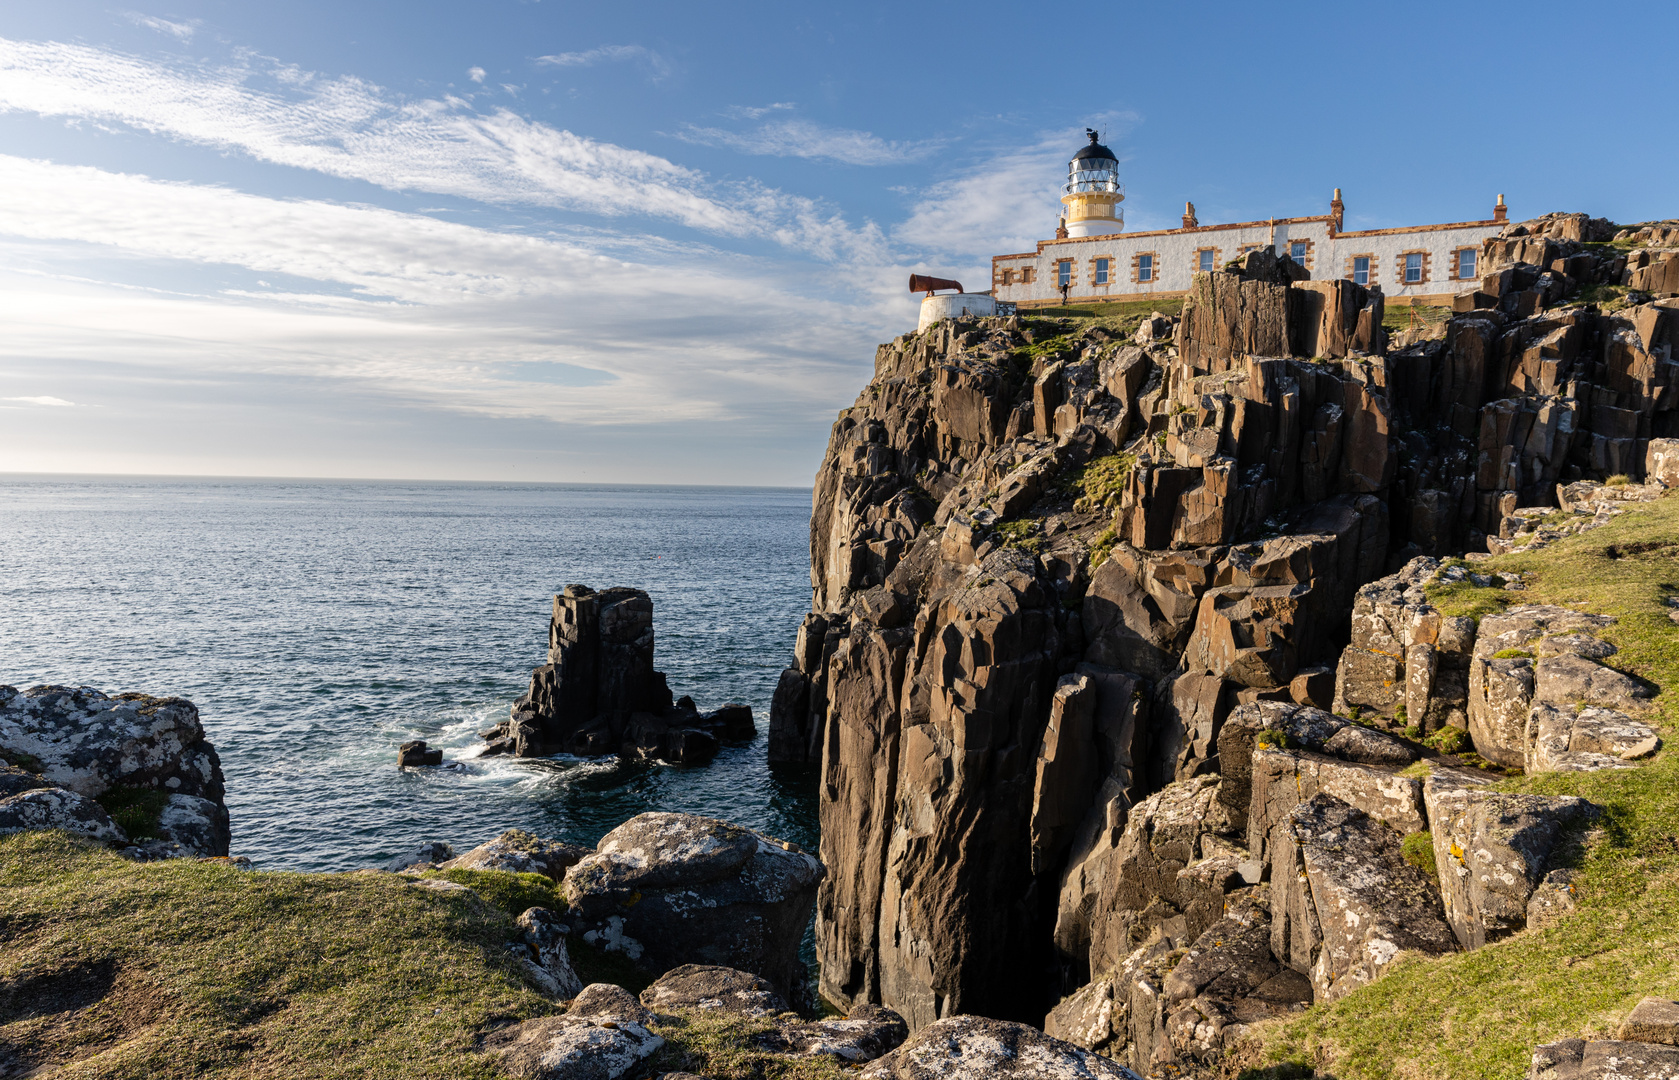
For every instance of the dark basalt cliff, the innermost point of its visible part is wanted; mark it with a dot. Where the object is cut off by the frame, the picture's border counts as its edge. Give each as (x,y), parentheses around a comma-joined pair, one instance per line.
(1050,558)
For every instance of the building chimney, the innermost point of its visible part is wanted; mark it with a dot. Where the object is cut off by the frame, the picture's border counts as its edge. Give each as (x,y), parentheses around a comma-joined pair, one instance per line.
(1189,221)
(1337,212)
(1500,212)
(1061,229)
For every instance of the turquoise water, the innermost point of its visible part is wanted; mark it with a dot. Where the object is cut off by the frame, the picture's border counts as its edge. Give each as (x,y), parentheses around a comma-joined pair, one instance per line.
(318,624)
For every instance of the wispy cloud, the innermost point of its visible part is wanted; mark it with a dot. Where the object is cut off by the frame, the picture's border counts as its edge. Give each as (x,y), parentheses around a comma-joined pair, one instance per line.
(350,128)
(476,74)
(1005,203)
(608,54)
(804,139)
(757,112)
(178,29)
(50,402)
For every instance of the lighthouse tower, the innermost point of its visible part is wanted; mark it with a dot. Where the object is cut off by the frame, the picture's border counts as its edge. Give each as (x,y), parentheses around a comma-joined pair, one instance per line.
(1093,192)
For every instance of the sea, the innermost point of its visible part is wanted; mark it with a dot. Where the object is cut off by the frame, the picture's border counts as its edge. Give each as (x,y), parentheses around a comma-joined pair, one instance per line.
(318,624)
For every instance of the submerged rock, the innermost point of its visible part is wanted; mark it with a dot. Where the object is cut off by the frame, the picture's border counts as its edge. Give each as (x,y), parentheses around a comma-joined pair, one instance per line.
(673,889)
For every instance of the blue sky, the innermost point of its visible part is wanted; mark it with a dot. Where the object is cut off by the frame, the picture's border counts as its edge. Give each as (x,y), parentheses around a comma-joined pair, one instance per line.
(509,240)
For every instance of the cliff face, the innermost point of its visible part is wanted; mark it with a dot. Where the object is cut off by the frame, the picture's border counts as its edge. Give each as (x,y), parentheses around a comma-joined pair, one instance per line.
(1048,558)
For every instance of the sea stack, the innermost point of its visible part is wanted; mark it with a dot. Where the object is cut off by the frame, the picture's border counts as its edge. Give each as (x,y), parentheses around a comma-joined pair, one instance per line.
(600,694)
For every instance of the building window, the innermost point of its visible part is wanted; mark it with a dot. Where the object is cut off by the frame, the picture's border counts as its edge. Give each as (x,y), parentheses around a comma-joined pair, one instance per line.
(1465,263)
(1026,275)
(1102,271)
(1297,251)
(1145,268)
(1361,269)
(1204,260)
(1413,268)
(1063,274)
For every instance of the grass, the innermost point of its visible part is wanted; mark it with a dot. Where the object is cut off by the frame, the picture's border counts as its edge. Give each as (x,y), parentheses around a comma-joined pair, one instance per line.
(1119,316)
(136,810)
(1025,534)
(1102,547)
(1100,484)
(1397,315)
(1418,849)
(183,968)
(1479,1014)
(1460,598)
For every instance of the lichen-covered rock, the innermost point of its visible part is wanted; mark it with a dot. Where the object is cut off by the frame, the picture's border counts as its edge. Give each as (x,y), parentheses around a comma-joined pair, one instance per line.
(603,1036)
(975,1048)
(89,743)
(707,987)
(16,781)
(1566,738)
(542,948)
(1492,850)
(1502,689)
(1576,1059)
(866,1032)
(672,889)
(1404,653)
(424,855)
(56,808)
(1283,779)
(1344,901)
(519,852)
(1227,980)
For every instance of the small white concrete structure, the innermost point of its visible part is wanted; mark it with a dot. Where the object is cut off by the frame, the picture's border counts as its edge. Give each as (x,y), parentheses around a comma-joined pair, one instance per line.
(954,305)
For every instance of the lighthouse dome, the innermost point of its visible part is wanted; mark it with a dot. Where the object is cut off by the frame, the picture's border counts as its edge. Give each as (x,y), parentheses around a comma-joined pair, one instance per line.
(1093,192)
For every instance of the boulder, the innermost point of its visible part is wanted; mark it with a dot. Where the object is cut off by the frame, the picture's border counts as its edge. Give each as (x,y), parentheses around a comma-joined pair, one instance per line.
(542,949)
(1492,850)
(1404,654)
(866,1032)
(1227,980)
(1576,1059)
(975,1048)
(519,852)
(603,1036)
(417,755)
(88,742)
(1345,903)
(1652,1020)
(424,855)
(16,781)
(56,808)
(1661,462)
(707,987)
(673,889)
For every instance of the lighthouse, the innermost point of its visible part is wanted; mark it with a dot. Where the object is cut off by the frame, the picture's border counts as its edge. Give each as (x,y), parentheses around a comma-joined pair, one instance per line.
(1093,192)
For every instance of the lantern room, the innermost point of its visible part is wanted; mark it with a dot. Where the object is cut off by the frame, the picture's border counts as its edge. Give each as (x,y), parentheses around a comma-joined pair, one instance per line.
(1093,192)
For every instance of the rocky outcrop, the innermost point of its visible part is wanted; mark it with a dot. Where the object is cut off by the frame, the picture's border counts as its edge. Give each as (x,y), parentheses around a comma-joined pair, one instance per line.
(666,890)
(93,745)
(1055,567)
(56,808)
(1346,901)
(1493,850)
(541,949)
(708,986)
(603,1036)
(517,852)
(975,1048)
(599,693)
(1645,1048)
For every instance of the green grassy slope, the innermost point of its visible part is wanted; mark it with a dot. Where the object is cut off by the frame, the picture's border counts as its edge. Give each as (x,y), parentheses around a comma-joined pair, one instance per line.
(196,969)
(1480,1014)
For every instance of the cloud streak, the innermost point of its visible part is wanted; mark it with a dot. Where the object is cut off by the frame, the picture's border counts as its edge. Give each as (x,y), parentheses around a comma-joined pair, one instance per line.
(182,31)
(656,64)
(349,128)
(804,139)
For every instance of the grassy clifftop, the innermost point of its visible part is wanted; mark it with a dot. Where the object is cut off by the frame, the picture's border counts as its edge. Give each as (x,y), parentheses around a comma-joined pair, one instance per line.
(115,969)
(1480,1014)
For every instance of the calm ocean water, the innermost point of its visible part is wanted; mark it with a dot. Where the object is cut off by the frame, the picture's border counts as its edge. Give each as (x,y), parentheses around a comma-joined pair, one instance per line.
(317,624)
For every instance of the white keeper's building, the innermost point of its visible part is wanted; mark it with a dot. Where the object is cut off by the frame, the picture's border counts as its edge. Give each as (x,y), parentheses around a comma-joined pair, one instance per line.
(1098,260)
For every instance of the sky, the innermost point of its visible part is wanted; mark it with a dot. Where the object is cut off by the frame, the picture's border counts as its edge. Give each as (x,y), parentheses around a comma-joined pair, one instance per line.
(512,240)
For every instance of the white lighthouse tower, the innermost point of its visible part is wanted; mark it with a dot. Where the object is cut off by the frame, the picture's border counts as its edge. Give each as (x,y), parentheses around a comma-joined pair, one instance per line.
(1093,192)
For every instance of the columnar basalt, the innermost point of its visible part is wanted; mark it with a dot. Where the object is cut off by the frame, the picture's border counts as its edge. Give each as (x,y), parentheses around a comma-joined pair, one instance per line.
(599,693)
(1058,567)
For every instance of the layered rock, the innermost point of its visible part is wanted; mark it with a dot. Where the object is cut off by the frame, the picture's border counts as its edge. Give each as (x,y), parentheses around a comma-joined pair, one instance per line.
(90,744)
(666,890)
(600,694)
